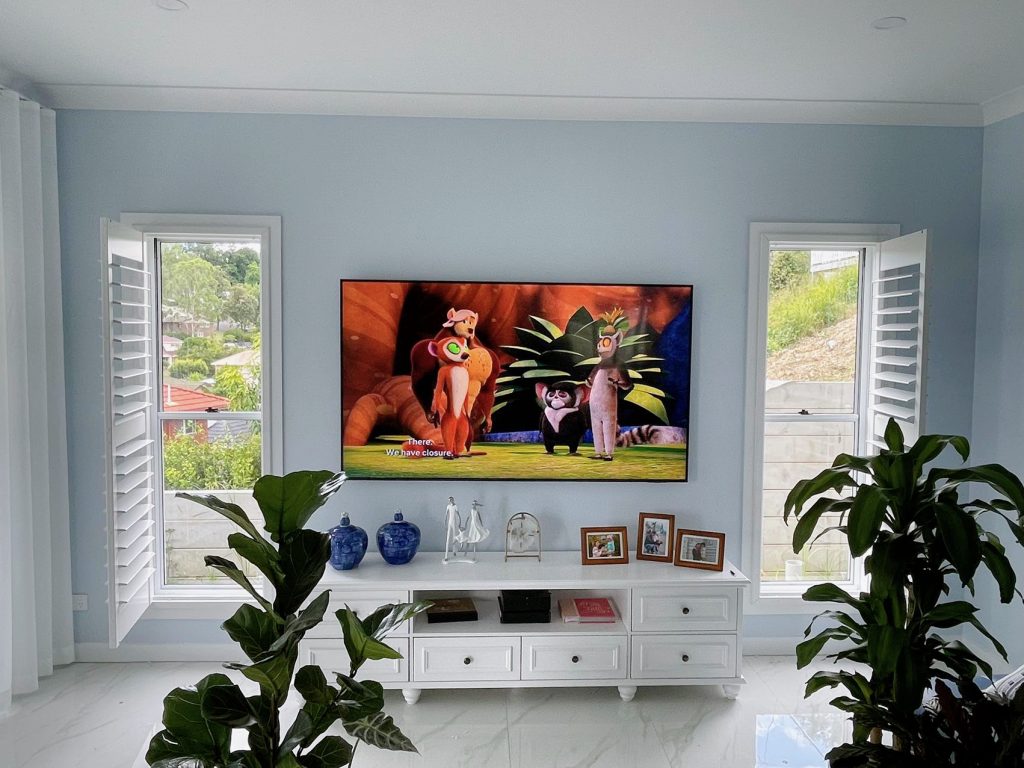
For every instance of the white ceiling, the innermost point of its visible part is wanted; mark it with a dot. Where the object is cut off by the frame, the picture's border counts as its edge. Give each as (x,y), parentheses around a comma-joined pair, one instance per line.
(626,58)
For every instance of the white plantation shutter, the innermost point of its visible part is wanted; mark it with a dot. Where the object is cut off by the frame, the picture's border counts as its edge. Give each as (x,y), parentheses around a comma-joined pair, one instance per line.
(130,388)
(897,334)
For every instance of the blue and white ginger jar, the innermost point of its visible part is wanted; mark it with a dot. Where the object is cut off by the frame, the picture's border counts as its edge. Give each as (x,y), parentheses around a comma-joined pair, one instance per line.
(398,540)
(348,544)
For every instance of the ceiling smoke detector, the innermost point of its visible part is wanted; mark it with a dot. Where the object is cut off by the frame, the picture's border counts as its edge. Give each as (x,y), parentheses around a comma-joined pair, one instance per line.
(888,22)
(171,5)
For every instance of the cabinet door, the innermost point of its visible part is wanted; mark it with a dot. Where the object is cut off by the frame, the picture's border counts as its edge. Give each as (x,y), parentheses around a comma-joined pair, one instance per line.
(331,656)
(683,656)
(668,609)
(465,659)
(577,657)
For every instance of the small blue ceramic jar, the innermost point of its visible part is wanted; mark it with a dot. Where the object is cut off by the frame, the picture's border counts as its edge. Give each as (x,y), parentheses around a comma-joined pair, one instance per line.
(348,545)
(398,540)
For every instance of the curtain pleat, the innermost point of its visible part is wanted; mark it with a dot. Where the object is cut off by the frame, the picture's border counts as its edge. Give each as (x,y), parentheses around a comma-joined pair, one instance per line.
(35,589)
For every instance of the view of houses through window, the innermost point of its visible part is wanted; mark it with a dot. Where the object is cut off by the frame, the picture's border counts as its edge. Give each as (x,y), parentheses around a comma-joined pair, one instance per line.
(810,407)
(211,393)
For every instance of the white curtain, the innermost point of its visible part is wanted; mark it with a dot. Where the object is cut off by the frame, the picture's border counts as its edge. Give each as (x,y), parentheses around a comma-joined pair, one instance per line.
(35,567)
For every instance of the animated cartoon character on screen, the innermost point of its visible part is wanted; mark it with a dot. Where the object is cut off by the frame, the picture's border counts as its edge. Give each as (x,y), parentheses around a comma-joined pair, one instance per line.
(607,379)
(482,365)
(450,404)
(563,421)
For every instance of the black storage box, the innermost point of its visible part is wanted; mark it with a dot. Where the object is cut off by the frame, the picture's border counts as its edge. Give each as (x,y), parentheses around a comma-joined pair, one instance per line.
(536,616)
(529,600)
(452,609)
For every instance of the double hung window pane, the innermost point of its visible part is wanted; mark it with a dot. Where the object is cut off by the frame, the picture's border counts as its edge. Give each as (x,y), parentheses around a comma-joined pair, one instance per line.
(810,398)
(211,397)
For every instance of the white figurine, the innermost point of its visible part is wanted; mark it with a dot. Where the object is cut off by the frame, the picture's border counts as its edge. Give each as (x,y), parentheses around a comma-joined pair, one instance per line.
(453,531)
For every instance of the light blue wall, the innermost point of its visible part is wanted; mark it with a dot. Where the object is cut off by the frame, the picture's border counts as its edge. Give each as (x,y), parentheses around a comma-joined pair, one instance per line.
(999,355)
(517,200)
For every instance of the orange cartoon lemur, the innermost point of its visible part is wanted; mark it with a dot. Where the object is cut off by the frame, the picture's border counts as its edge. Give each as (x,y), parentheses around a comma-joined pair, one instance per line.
(482,365)
(450,405)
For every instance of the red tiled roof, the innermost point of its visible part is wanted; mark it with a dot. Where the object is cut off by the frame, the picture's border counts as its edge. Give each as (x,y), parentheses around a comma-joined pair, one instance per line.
(182,399)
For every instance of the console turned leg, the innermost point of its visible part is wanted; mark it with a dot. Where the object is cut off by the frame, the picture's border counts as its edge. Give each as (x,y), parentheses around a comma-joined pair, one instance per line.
(731,690)
(627,692)
(412,695)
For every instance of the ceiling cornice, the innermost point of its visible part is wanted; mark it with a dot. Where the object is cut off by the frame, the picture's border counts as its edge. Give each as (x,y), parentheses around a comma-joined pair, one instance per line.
(1010,104)
(508,106)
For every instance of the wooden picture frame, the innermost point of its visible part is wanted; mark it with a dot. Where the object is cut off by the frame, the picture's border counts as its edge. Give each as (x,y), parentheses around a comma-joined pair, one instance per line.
(604,545)
(655,541)
(700,549)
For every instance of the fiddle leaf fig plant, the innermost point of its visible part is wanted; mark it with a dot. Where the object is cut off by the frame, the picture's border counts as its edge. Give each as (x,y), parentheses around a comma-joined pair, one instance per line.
(920,540)
(199,721)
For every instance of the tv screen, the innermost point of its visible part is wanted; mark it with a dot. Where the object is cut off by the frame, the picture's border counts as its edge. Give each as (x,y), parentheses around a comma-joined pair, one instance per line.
(515,381)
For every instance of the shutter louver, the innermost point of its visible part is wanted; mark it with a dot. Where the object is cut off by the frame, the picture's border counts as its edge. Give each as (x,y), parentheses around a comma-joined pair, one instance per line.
(130,362)
(896,385)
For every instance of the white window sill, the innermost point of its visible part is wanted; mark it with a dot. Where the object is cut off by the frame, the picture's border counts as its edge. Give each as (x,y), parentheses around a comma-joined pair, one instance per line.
(215,608)
(789,601)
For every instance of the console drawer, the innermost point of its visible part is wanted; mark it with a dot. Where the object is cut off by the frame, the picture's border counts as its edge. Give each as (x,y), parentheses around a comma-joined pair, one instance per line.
(683,656)
(363,603)
(669,609)
(444,659)
(331,656)
(577,657)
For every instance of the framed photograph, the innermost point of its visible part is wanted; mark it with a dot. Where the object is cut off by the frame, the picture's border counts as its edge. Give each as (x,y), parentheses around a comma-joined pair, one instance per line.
(515,381)
(604,546)
(700,549)
(655,537)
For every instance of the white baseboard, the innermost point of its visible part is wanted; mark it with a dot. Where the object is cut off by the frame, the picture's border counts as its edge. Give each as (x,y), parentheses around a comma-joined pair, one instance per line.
(770,646)
(134,652)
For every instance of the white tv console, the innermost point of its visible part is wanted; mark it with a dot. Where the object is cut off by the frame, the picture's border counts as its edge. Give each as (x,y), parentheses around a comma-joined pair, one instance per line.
(677,626)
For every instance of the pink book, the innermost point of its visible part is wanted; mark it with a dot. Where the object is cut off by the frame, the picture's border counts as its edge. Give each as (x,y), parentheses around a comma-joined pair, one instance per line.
(595,610)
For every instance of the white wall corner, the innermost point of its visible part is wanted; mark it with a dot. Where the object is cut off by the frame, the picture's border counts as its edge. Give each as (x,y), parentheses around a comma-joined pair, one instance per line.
(1004,106)
(15,81)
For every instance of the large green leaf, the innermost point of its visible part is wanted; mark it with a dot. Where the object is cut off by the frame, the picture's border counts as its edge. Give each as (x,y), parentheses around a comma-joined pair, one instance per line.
(254,630)
(552,330)
(1000,568)
(234,573)
(329,752)
(809,519)
(361,647)
(830,593)
(227,705)
(866,517)
(232,512)
(580,319)
(809,649)
(380,731)
(288,502)
(274,675)
(303,621)
(312,685)
(996,476)
(300,730)
(894,436)
(648,402)
(387,618)
(959,532)
(304,556)
(187,733)
(358,699)
(546,373)
(260,553)
(805,490)
(528,336)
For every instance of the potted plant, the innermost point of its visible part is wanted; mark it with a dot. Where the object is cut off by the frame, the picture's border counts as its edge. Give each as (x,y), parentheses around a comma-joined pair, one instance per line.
(920,540)
(199,721)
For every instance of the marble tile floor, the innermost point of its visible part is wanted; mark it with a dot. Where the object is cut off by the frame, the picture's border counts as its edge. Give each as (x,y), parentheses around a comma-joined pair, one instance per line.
(101,715)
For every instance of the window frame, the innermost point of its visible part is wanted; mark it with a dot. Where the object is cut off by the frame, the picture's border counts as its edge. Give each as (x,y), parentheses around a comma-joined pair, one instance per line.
(779,597)
(216,600)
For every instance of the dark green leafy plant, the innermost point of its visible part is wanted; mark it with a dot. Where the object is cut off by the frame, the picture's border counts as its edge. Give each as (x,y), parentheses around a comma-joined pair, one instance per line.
(918,537)
(547,354)
(198,721)
(969,729)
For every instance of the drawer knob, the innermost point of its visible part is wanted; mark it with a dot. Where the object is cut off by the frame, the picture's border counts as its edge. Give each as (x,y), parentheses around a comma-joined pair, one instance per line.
(575,659)
(468,660)
(686,611)
(686,658)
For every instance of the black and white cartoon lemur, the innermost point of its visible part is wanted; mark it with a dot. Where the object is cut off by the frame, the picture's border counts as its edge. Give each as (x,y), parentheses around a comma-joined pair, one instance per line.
(563,420)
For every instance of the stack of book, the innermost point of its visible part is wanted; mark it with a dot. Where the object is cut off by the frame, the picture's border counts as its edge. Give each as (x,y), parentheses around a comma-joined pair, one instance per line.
(587,610)
(525,606)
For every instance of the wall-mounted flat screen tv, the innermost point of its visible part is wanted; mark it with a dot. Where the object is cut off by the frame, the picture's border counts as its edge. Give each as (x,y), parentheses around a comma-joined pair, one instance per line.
(515,381)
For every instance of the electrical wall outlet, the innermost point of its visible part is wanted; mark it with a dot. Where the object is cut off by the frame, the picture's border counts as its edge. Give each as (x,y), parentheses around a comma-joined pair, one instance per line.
(79,602)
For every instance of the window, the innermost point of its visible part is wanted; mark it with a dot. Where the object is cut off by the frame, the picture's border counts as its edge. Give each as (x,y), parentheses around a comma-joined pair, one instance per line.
(835,342)
(194,388)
